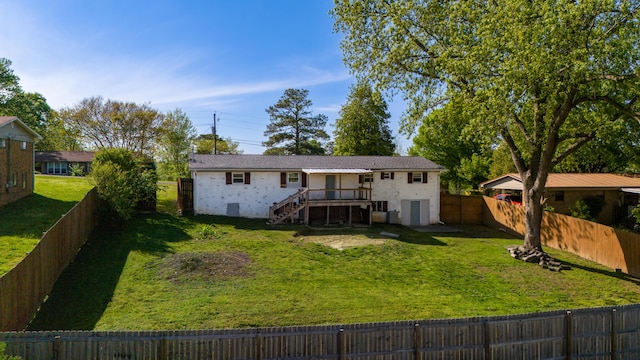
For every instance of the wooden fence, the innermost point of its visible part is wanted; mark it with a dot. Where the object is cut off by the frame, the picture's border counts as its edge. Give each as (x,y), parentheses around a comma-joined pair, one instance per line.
(456,209)
(24,288)
(615,248)
(597,333)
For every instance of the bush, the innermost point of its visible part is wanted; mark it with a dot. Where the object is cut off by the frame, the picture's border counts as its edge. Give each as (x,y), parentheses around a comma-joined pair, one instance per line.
(122,181)
(580,210)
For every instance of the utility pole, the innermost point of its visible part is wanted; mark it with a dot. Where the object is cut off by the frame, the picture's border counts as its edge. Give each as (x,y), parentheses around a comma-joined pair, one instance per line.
(215,136)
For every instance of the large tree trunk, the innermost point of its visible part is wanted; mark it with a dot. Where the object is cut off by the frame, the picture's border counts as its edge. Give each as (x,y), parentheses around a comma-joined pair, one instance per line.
(532,193)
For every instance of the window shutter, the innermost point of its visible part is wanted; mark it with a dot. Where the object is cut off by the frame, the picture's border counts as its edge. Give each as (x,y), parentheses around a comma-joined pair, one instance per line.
(283,179)
(361,179)
(425,177)
(247,178)
(409,178)
(228,178)
(385,206)
(304,179)
(381,175)
(391,175)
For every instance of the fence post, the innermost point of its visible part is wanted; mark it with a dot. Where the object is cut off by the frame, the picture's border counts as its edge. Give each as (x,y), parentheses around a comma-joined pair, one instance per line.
(614,335)
(568,334)
(163,348)
(56,347)
(417,341)
(258,346)
(487,341)
(341,344)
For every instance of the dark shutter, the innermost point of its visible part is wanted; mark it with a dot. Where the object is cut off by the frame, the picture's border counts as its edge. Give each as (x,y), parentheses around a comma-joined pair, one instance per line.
(228,178)
(283,179)
(391,175)
(247,178)
(409,178)
(361,179)
(425,177)
(304,179)
(381,175)
(385,206)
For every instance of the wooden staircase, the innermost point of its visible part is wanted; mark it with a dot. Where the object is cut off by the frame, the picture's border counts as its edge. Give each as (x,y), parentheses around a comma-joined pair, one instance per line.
(288,208)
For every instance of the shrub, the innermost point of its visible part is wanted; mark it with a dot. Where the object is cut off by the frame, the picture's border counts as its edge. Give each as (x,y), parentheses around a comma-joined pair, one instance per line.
(122,181)
(580,210)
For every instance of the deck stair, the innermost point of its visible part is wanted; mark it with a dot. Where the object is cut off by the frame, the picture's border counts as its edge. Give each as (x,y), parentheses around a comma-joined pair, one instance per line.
(288,208)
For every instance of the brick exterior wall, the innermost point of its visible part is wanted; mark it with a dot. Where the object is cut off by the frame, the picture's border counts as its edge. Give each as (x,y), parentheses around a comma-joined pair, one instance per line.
(18,168)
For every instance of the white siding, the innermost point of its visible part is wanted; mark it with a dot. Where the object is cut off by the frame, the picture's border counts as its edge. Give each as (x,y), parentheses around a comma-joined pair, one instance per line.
(396,190)
(212,194)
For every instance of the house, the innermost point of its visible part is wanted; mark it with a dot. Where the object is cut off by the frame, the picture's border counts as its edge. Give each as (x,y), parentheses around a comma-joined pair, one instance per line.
(318,189)
(63,162)
(618,193)
(16,159)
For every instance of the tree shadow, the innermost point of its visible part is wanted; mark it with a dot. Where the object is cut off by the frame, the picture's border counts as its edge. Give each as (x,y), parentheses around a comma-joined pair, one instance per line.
(85,288)
(613,274)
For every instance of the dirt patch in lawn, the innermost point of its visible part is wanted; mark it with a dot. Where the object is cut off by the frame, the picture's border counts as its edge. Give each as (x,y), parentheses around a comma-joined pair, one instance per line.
(213,266)
(340,242)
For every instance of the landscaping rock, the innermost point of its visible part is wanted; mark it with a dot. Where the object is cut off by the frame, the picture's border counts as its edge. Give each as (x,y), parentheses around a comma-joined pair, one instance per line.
(536,256)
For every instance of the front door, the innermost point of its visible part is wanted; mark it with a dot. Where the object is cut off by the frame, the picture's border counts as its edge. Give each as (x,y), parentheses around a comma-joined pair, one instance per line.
(415,213)
(330,185)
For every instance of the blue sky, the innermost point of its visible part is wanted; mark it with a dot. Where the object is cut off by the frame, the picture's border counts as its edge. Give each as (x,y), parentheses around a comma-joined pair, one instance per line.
(234,58)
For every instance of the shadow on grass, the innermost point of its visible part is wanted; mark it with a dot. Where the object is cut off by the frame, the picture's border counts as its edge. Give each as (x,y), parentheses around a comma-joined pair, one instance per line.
(30,216)
(477,232)
(85,288)
(613,274)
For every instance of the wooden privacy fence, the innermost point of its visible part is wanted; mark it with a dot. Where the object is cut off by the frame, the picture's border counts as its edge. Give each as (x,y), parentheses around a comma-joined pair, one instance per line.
(615,248)
(24,288)
(598,333)
(457,209)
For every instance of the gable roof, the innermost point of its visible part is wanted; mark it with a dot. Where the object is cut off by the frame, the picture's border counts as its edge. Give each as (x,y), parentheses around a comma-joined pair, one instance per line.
(567,181)
(6,120)
(64,156)
(298,162)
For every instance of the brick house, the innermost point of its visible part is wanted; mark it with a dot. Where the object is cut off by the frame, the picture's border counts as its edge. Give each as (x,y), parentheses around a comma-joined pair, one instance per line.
(16,159)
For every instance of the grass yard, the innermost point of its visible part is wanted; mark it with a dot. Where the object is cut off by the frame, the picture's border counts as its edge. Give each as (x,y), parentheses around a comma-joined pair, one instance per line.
(23,222)
(163,271)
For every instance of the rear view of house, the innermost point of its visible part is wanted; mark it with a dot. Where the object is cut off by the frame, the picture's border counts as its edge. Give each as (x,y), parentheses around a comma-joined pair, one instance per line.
(318,189)
(16,159)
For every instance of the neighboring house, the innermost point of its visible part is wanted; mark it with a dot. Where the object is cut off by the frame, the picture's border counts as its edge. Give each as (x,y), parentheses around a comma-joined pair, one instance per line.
(61,162)
(619,193)
(16,159)
(318,189)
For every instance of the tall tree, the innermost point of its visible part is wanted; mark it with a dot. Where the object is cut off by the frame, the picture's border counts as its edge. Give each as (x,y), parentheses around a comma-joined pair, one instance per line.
(293,127)
(542,76)
(363,126)
(114,124)
(205,144)
(30,108)
(443,138)
(176,135)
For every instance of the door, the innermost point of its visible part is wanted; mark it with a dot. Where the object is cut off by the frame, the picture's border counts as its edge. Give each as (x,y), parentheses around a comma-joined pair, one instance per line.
(330,184)
(415,213)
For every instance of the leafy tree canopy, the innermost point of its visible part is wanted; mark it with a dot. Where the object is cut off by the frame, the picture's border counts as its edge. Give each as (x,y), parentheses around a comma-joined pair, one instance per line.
(293,129)
(205,144)
(541,76)
(175,138)
(363,126)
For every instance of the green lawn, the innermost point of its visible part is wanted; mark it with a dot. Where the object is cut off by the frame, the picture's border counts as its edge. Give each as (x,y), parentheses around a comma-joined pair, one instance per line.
(162,271)
(23,222)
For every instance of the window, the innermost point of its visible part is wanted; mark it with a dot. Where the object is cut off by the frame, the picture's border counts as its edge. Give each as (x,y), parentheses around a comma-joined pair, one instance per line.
(559,195)
(3,143)
(238,178)
(24,180)
(293,177)
(417,177)
(386,175)
(367,178)
(57,168)
(380,206)
(23,145)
